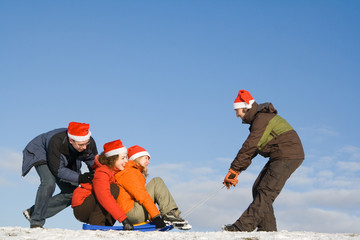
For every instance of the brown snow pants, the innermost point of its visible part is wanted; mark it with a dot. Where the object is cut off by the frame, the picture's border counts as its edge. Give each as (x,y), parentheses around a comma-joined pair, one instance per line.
(268,185)
(91,211)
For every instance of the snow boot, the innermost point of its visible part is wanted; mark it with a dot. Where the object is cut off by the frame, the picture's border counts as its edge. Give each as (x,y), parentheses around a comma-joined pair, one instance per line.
(231,228)
(36,226)
(173,218)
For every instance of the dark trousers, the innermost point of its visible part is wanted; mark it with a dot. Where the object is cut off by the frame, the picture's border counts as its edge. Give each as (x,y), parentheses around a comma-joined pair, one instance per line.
(268,185)
(91,211)
(46,205)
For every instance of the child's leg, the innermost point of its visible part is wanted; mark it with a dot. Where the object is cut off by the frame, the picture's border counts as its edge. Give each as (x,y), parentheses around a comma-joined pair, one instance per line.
(138,214)
(161,195)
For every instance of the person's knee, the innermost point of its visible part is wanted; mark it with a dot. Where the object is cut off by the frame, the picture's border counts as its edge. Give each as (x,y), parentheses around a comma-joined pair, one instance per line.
(267,197)
(158,180)
(68,195)
(48,186)
(79,214)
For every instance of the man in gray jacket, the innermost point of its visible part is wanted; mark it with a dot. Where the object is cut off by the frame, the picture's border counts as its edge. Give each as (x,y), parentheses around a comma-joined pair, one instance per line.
(57,156)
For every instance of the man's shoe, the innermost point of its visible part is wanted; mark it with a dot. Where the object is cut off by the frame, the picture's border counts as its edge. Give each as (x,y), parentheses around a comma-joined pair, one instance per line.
(35,226)
(231,228)
(27,214)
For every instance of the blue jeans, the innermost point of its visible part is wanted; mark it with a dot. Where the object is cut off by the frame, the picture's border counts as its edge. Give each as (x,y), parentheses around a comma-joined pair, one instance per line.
(46,205)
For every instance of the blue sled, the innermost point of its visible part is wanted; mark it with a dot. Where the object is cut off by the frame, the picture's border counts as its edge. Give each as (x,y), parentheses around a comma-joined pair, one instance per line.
(147,227)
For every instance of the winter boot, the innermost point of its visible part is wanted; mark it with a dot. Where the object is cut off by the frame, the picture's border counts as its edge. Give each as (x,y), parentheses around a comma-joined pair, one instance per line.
(231,228)
(173,218)
(36,226)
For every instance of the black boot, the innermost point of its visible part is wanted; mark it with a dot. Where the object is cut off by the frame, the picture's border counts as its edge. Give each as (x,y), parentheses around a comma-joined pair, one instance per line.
(231,228)
(35,226)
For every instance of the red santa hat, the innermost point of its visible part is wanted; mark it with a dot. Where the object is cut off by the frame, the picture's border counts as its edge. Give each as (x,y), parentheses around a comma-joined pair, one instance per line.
(114,148)
(79,131)
(243,100)
(136,151)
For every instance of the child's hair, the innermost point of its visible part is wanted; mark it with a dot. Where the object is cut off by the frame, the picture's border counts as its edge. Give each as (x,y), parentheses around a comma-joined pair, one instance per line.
(108,161)
(144,171)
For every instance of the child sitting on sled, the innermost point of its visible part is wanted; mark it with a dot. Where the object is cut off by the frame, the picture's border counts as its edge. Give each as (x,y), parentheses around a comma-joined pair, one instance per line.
(138,200)
(96,203)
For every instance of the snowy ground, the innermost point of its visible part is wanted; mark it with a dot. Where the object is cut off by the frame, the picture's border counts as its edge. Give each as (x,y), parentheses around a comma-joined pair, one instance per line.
(14,233)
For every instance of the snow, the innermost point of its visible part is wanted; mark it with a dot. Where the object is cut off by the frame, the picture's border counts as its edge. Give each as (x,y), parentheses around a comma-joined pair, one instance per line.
(15,233)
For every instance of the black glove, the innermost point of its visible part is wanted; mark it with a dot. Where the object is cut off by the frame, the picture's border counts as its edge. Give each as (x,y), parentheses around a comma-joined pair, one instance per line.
(159,222)
(127,225)
(86,177)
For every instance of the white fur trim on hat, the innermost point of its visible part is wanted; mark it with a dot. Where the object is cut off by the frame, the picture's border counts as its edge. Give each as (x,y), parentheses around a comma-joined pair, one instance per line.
(116,152)
(80,138)
(139,154)
(238,105)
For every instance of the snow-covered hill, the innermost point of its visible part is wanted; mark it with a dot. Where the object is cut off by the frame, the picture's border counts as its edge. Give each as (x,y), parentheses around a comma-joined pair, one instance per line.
(15,233)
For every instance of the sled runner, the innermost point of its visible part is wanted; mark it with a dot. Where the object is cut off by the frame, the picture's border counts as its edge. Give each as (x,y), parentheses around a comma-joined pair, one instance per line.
(142,227)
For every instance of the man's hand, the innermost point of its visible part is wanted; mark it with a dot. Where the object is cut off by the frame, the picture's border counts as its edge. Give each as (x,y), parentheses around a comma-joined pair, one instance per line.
(231,178)
(86,177)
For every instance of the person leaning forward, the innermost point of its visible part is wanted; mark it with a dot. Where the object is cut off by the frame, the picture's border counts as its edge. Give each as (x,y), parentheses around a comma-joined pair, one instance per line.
(57,156)
(270,136)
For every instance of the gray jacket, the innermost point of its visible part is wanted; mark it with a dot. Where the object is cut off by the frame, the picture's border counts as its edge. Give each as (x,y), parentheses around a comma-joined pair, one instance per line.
(35,152)
(53,148)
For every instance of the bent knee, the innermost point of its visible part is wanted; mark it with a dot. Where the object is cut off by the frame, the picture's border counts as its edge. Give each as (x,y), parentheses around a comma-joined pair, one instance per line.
(158,179)
(48,184)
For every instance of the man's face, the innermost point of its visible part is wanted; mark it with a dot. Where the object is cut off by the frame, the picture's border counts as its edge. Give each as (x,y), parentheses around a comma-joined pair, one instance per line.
(240,112)
(79,145)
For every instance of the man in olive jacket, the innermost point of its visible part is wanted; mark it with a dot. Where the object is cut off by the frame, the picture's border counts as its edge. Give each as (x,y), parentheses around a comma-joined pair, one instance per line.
(57,156)
(272,137)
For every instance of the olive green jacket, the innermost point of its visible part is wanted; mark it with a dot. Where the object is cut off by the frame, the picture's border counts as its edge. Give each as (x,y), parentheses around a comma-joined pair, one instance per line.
(270,136)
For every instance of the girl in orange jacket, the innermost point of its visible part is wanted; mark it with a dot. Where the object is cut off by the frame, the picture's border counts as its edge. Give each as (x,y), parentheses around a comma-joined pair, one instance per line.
(96,203)
(138,200)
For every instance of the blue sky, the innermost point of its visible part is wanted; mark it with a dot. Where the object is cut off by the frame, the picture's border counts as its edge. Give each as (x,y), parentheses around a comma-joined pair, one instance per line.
(164,75)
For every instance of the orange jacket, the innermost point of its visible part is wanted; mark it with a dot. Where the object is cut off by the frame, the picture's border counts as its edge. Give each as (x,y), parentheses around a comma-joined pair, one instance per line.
(103,177)
(132,188)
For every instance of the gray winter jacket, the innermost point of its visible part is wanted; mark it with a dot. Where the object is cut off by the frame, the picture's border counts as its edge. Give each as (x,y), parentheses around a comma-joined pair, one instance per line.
(53,148)
(35,152)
